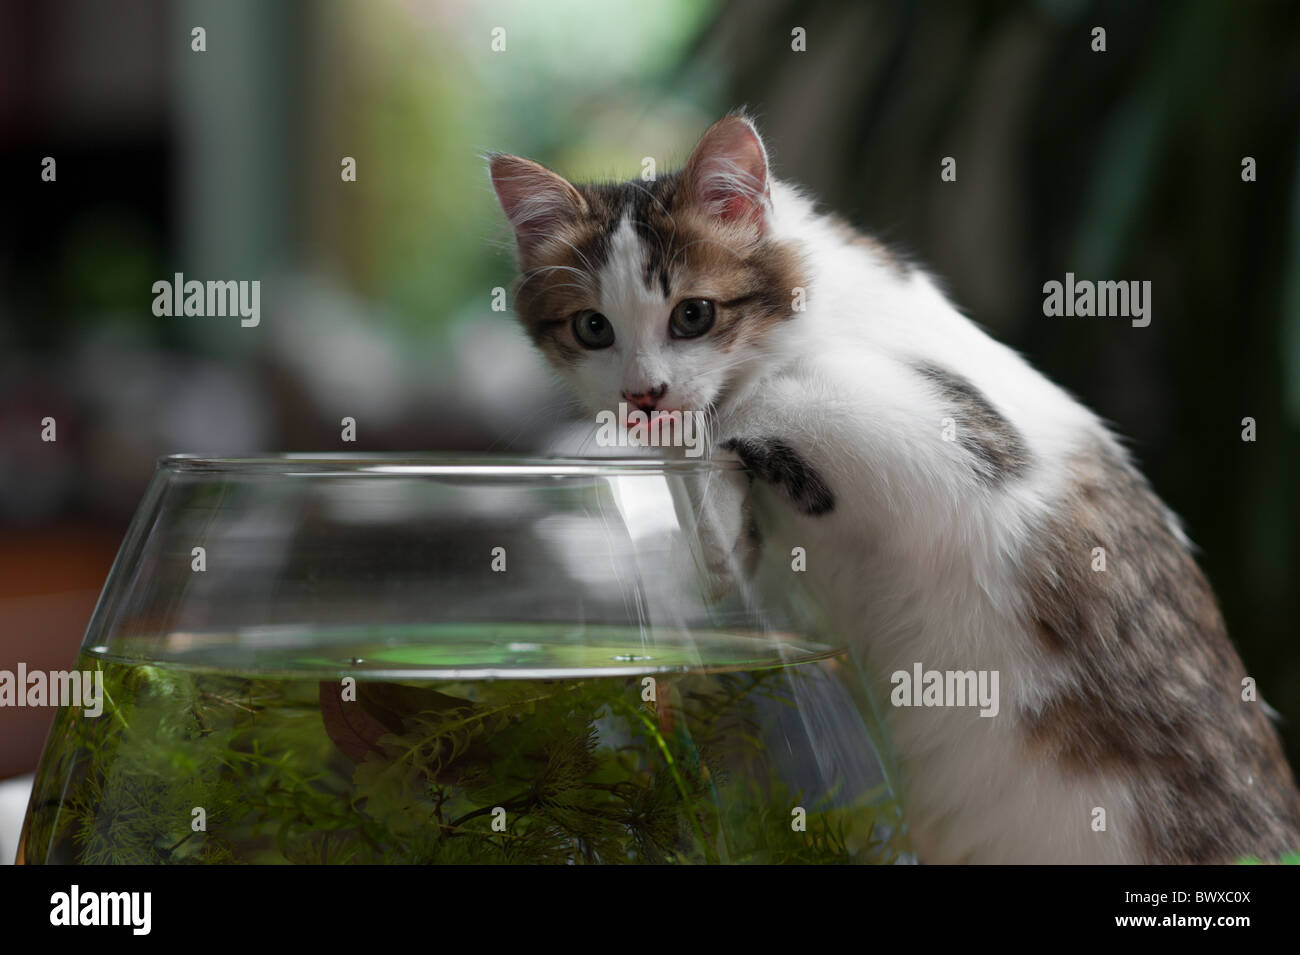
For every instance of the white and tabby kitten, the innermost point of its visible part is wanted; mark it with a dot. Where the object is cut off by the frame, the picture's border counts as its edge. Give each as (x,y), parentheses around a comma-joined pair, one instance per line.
(949,498)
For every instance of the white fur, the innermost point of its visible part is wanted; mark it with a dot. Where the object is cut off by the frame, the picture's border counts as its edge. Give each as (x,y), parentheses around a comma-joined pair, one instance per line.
(920,561)
(643,356)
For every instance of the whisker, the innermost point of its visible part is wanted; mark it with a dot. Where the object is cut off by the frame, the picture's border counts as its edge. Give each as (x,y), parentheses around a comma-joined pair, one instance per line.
(653,232)
(716,242)
(663,209)
(579,253)
(586,284)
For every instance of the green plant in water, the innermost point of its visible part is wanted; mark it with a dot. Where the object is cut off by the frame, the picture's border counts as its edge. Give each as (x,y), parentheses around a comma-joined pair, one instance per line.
(505,771)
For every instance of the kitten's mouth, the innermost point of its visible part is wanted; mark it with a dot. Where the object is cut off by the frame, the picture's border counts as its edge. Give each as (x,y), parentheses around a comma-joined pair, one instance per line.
(654,413)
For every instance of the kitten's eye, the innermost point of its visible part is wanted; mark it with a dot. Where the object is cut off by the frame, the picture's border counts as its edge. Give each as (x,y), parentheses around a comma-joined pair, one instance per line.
(691,318)
(593,330)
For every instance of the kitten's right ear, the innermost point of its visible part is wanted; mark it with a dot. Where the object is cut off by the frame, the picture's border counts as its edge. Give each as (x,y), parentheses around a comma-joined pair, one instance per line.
(727,174)
(535,200)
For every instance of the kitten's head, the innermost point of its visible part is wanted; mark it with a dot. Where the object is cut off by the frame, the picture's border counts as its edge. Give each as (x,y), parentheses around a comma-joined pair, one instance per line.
(655,293)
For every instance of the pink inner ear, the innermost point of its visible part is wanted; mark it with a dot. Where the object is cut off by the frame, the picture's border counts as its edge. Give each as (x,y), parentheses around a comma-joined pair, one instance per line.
(534,199)
(729,168)
(740,207)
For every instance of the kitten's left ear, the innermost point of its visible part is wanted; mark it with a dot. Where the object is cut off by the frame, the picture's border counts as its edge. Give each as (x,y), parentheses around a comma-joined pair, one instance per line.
(727,174)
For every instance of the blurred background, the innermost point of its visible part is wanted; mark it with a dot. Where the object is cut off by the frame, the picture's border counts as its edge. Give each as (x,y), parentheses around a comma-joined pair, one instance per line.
(377,294)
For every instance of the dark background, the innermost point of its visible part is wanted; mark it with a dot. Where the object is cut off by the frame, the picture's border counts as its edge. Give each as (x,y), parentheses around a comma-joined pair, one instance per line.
(376,295)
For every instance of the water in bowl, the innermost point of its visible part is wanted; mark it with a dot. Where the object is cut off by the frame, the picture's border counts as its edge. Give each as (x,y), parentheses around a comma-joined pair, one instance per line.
(510,743)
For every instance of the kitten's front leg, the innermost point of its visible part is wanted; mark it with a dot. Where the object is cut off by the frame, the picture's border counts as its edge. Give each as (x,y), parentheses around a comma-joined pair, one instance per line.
(773,439)
(715,505)
(773,460)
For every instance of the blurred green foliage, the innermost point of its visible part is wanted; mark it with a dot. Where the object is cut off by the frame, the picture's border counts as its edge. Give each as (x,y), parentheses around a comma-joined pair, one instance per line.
(426,95)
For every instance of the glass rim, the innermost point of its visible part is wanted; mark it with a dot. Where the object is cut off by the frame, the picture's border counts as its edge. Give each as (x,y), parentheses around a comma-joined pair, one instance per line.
(438,464)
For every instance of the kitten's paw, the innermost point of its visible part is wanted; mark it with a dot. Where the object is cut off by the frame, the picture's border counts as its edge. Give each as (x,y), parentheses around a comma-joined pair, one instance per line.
(777,463)
(730,548)
(725,540)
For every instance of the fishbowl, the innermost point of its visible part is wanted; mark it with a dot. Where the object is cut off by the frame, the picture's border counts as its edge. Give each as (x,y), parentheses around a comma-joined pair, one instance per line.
(332,659)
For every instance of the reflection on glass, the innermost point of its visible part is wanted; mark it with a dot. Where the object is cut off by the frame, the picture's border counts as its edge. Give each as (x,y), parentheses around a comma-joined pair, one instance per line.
(333,660)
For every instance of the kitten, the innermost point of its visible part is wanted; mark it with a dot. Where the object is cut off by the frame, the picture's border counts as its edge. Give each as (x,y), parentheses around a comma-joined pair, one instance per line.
(949,499)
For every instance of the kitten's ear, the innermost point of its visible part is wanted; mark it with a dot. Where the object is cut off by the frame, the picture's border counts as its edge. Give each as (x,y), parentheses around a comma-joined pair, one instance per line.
(535,200)
(727,174)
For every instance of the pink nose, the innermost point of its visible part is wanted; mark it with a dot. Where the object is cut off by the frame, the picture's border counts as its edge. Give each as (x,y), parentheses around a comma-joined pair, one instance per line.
(646,400)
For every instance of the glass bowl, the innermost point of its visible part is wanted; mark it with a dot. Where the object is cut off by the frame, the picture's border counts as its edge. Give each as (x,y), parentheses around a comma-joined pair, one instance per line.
(398,659)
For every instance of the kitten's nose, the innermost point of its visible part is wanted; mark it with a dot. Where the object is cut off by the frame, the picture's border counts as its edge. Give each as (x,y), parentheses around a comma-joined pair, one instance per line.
(646,400)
